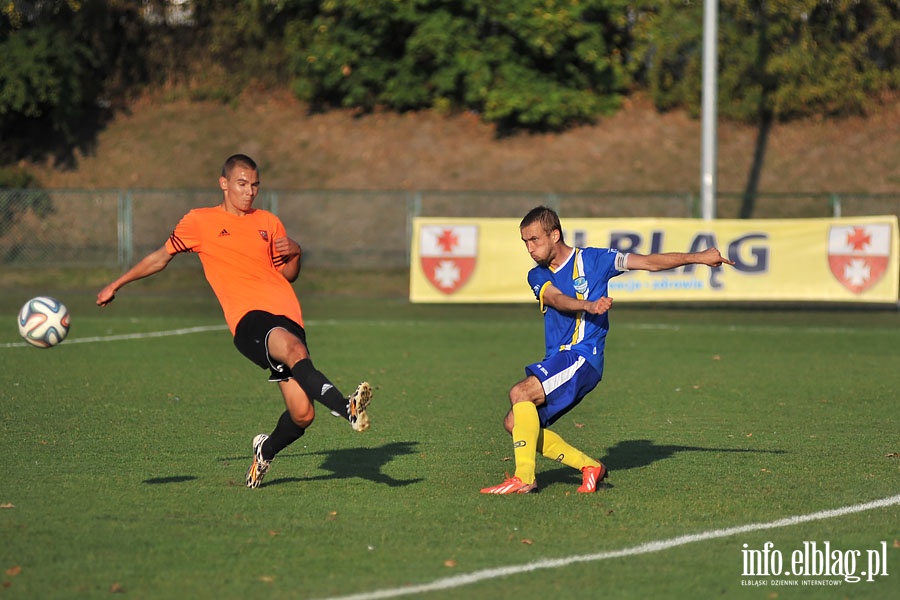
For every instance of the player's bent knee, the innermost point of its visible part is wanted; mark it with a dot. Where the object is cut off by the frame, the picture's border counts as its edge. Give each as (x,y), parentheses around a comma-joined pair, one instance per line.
(520,393)
(515,394)
(529,389)
(303,418)
(285,347)
(508,422)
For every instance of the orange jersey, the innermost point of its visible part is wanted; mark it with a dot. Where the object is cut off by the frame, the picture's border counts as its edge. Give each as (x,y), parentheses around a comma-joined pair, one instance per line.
(239,260)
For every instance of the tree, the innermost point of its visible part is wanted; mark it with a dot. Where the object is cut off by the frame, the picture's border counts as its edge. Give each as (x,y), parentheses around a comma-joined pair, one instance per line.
(43,75)
(520,63)
(59,59)
(778,60)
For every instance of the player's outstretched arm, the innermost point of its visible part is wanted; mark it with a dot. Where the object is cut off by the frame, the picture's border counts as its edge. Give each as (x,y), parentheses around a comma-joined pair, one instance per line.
(554,297)
(671,260)
(154,262)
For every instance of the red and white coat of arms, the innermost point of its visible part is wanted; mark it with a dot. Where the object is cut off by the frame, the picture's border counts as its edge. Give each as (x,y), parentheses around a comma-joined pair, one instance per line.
(859,254)
(448,254)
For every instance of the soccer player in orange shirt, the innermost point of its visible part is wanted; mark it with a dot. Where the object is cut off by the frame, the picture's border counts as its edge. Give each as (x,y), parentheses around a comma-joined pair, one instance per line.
(250,263)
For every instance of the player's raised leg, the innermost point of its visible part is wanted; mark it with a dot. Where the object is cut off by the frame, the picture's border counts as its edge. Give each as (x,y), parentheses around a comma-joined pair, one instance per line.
(357,405)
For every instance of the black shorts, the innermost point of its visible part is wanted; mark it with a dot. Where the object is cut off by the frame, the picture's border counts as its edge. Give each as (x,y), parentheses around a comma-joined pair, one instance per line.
(251,339)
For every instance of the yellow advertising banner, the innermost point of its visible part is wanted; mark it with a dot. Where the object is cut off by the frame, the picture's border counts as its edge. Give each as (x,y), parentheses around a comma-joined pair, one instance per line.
(798,260)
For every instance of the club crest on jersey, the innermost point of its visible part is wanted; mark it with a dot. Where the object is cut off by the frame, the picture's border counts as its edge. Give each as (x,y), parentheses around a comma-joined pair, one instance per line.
(264,235)
(581,286)
(859,254)
(448,254)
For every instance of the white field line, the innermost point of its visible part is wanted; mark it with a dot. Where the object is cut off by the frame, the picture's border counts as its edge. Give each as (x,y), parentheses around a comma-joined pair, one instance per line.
(412,323)
(128,336)
(457,581)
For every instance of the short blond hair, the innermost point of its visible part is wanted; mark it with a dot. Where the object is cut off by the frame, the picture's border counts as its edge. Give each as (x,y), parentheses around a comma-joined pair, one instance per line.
(547,217)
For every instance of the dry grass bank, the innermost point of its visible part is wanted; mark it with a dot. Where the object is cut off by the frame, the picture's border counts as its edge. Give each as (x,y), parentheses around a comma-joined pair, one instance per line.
(181,144)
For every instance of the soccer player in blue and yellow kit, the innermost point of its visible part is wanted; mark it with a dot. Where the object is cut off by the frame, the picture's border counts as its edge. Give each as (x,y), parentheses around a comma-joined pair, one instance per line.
(571,286)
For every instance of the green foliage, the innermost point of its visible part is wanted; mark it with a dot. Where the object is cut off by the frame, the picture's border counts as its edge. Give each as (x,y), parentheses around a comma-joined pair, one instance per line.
(792,59)
(16,200)
(15,178)
(60,58)
(537,64)
(832,58)
(533,64)
(44,73)
(243,40)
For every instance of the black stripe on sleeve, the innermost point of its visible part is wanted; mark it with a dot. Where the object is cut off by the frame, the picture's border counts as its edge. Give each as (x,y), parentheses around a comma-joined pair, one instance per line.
(179,245)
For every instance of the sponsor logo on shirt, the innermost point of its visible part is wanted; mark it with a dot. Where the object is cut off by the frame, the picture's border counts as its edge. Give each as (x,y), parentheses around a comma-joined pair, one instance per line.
(581,286)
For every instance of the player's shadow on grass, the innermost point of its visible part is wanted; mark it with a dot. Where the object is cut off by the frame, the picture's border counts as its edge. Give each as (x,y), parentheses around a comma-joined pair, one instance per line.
(361,463)
(172,479)
(634,454)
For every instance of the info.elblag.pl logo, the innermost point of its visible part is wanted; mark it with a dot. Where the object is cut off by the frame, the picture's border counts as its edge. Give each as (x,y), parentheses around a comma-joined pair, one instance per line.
(813,564)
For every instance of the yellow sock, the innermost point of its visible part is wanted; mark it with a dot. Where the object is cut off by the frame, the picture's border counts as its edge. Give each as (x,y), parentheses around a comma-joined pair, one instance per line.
(525,431)
(551,445)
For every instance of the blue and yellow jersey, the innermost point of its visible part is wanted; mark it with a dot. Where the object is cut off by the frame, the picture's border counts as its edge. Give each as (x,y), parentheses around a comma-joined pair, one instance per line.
(584,275)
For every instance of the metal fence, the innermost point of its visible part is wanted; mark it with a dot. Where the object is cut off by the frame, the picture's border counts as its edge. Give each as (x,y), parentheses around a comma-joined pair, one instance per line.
(348,229)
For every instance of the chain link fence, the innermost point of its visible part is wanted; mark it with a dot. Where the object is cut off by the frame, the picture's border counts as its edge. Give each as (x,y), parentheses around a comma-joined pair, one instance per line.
(347,229)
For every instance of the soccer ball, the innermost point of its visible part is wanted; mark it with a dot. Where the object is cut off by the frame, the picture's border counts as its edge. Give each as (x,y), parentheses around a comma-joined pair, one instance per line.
(44,322)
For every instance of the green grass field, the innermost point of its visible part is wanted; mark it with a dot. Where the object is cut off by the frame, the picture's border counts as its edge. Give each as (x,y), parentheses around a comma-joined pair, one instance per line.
(124,458)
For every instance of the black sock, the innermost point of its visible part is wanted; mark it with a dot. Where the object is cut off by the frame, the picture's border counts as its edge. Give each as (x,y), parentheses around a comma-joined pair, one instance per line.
(317,387)
(286,433)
